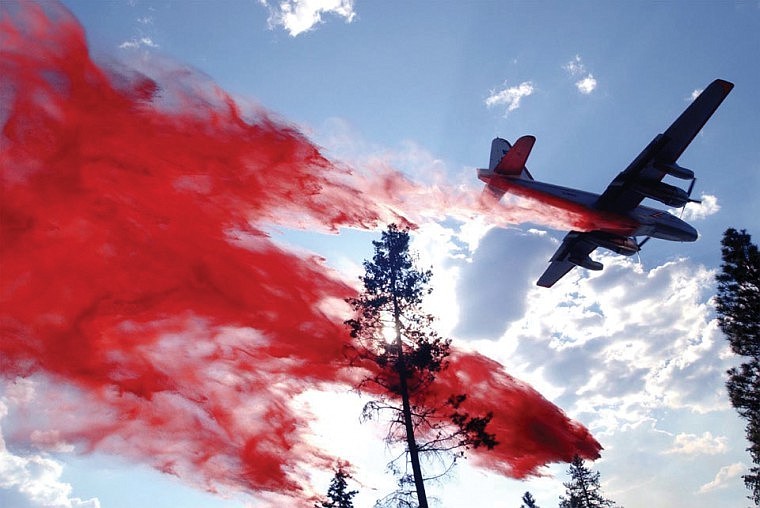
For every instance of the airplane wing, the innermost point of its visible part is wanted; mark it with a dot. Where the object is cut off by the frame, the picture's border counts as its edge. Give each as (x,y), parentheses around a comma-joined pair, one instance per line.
(660,156)
(575,249)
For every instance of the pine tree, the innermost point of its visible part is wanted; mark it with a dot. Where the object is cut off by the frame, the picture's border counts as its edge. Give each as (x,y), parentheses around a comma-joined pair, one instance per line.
(394,333)
(529,500)
(338,495)
(738,306)
(583,490)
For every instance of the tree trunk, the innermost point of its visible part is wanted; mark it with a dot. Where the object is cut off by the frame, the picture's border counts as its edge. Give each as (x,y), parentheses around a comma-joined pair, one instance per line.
(411,442)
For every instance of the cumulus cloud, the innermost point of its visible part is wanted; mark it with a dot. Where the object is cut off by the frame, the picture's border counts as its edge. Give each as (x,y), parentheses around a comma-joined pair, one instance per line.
(633,352)
(34,479)
(587,84)
(493,284)
(698,211)
(299,16)
(577,69)
(692,444)
(724,477)
(510,97)
(615,344)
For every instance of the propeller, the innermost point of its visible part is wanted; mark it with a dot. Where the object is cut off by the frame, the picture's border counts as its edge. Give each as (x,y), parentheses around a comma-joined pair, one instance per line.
(688,193)
(640,244)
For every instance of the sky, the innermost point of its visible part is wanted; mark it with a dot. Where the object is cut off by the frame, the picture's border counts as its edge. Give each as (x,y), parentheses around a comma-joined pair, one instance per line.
(355,114)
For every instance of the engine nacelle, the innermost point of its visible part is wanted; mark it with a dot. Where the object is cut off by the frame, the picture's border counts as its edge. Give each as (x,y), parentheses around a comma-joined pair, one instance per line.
(615,243)
(675,170)
(664,193)
(586,262)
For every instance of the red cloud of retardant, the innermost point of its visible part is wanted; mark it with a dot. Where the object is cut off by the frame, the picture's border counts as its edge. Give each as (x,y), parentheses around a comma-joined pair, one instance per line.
(134,269)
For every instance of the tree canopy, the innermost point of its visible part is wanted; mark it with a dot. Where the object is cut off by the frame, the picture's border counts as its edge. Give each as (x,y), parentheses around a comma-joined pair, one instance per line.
(393,332)
(738,306)
(583,490)
(338,495)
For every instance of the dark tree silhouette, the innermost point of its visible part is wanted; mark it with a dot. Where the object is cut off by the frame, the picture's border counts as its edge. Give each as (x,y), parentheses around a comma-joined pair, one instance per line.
(738,306)
(393,332)
(529,500)
(338,495)
(583,489)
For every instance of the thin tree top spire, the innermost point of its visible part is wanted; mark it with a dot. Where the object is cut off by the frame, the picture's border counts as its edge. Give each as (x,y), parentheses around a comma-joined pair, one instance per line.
(392,269)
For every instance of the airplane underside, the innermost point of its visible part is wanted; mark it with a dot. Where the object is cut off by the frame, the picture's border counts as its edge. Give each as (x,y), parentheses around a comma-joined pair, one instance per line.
(615,218)
(641,221)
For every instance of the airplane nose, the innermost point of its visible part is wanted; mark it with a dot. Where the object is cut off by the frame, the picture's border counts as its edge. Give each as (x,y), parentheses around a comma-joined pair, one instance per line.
(693,235)
(676,230)
(688,233)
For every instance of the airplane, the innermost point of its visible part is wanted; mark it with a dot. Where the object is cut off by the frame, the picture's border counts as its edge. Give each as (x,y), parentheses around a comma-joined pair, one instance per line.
(615,218)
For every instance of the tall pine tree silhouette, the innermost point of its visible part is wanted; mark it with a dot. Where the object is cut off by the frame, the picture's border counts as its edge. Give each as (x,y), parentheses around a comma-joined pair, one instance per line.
(338,495)
(738,306)
(583,489)
(392,331)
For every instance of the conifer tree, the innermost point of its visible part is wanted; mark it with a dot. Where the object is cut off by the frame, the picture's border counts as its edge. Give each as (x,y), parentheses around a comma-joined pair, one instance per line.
(338,495)
(738,306)
(393,332)
(529,500)
(583,489)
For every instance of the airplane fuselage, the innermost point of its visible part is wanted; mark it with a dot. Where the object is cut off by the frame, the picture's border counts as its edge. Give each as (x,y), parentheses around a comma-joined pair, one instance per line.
(640,221)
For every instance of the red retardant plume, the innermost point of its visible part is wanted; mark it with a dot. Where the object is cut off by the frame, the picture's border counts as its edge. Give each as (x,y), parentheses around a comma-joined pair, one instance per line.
(134,272)
(531,431)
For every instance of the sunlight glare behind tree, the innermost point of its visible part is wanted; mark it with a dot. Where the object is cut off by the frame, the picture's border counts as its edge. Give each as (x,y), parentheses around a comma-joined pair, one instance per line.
(406,362)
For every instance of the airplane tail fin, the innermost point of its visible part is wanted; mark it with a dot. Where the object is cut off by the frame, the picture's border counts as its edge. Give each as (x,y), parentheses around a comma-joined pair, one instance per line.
(509,159)
(499,148)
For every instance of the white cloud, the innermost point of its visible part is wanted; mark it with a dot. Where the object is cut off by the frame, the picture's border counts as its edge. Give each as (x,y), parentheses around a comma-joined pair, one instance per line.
(694,94)
(618,344)
(726,475)
(575,68)
(692,444)
(633,352)
(698,211)
(34,479)
(299,16)
(510,97)
(586,85)
(138,42)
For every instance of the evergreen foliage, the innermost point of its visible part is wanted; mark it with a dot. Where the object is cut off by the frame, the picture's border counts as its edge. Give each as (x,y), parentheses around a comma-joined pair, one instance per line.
(392,331)
(338,495)
(738,306)
(583,489)
(529,500)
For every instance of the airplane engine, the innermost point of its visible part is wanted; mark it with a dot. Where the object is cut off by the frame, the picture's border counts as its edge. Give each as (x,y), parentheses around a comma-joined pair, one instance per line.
(677,171)
(664,193)
(586,262)
(618,244)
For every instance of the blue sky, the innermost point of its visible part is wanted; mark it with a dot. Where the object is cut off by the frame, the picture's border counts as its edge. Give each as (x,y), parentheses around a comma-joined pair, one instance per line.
(633,353)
